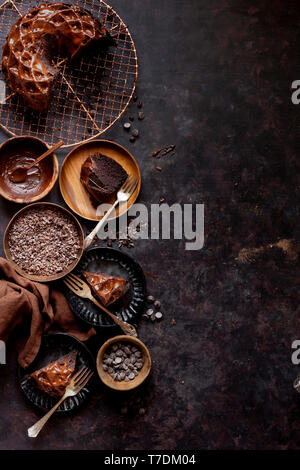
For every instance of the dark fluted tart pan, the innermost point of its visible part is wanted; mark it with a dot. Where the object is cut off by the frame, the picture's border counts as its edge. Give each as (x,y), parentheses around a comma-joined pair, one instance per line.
(52,348)
(115,263)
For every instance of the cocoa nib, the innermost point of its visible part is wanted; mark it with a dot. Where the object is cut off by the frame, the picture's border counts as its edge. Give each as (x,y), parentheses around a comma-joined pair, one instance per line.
(44,241)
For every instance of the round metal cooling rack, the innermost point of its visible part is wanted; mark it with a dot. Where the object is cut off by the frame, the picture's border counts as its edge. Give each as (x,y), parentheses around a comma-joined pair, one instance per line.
(91,94)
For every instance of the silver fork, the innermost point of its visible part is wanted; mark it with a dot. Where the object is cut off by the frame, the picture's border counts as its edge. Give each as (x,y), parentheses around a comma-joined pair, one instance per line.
(78,382)
(81,288)
(123,195)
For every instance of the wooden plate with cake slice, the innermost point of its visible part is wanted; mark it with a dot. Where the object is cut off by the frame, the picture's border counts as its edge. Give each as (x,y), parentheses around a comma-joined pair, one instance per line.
(92,173)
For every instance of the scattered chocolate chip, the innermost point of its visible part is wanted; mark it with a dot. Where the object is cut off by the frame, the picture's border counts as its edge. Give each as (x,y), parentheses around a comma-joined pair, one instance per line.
(150,299)
(141,116)
(140,104)
(131,118)
(132,138)
(158,315)
(157,304)
(142,411)
(149,312)
(126,126)
(153,318)
(135,132)
(135,98)
(173,322)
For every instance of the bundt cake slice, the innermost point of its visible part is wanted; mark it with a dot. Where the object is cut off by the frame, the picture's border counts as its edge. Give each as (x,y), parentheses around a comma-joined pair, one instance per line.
(35,39)
(55,377)
(108,289)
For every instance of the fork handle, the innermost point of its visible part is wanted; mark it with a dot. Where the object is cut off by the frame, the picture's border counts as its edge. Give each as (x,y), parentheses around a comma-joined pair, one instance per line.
(89,239)
(126,327)
(38,426)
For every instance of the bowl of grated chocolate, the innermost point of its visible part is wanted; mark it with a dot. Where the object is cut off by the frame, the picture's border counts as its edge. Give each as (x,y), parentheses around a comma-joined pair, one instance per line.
(43,241)
(123,362)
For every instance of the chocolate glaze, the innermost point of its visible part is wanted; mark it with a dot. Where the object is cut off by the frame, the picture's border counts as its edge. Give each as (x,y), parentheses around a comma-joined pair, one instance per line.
(55,377)
(33,41)
(19,153)
(108,289)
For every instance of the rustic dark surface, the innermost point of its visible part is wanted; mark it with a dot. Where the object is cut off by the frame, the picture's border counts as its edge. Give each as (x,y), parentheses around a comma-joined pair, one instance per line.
(215,78)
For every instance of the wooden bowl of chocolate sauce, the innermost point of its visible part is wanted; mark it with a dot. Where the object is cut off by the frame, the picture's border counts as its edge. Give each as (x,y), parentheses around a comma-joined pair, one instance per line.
(20,152)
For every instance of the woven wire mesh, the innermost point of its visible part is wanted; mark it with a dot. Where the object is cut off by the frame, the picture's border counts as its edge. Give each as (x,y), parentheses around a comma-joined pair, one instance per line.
(91,94)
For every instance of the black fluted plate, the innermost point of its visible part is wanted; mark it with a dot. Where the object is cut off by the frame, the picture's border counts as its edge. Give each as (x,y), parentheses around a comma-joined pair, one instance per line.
(115,263)
(52,348)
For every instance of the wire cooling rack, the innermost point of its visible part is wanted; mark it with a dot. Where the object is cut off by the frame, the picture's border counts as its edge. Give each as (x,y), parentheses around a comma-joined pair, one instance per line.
(90,95)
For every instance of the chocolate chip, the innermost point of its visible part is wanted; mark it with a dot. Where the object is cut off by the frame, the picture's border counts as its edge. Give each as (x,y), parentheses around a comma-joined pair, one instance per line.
(158,315)
(140,104)
(132,138)
(150,299)
(127,126)
(141,116)
(157,304)
(135,132)
(135,98)
(131,118)
(127,361)
(149,312)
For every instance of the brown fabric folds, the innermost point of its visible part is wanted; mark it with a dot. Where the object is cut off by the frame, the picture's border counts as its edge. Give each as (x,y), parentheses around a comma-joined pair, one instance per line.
(45,309)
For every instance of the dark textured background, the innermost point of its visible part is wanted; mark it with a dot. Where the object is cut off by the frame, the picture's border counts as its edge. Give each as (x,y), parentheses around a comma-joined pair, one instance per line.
(215,78)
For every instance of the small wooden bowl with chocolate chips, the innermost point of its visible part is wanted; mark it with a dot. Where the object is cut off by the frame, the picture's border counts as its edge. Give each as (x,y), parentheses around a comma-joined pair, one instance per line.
(123,362)
(43,242)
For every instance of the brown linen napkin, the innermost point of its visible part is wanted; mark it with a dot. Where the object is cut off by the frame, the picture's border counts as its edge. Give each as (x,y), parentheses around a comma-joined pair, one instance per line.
(46,308)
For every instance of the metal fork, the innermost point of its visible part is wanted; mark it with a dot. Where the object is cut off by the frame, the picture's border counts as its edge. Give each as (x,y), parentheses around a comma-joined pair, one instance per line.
(123,195)
(78,382)
(81,288)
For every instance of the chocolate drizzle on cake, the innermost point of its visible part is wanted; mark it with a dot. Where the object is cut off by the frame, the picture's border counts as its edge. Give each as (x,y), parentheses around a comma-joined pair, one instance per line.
(102,177)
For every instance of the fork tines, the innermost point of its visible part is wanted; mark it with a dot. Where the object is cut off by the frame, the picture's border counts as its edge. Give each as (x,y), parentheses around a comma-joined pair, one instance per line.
(73,282)
(81,378)
(130,185)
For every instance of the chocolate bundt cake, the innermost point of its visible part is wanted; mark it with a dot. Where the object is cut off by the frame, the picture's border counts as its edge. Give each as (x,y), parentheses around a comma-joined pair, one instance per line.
(102,177)
(42,33)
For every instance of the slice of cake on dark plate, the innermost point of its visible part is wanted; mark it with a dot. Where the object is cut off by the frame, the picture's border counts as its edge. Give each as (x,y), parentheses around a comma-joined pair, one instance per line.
(108,289)
(102,177)
(55,377)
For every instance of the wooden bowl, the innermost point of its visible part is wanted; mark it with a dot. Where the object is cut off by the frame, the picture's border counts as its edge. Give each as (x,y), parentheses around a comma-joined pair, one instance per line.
(143,374)
(37,278)
(11,151)
(72,190)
